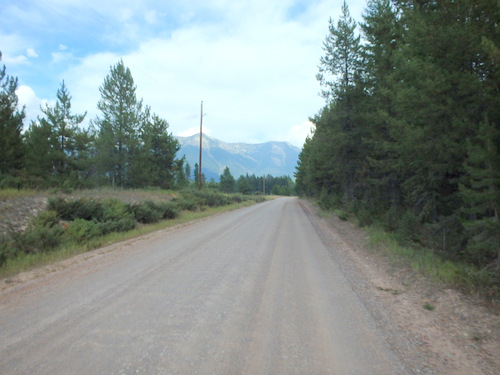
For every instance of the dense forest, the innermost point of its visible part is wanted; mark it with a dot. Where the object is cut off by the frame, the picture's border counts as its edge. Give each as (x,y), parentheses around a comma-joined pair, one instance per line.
(126,146)
(409,137)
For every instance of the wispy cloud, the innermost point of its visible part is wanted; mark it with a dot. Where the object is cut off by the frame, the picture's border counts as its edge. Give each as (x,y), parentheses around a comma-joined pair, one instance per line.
(252,62)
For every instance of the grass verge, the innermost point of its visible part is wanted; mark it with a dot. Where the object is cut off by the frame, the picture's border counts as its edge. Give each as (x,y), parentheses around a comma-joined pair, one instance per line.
(14,193)
(425,262)
(26,261)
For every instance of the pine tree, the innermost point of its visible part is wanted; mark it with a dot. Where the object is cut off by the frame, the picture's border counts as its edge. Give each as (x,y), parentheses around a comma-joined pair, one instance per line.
(338,135)
(243,185)
(342,56)
(196,174)
(11,125)
(481,194)
(40,150)
(155,163)
(227,182)
(188,171)
(383,34)
(64,130)
(118,129)
(181,178)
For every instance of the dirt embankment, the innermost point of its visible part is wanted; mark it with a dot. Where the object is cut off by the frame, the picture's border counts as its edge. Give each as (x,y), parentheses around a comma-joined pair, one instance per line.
(15,213)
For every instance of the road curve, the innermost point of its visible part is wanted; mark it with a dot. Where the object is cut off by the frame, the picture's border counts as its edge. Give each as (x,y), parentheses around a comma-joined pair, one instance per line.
(252,291)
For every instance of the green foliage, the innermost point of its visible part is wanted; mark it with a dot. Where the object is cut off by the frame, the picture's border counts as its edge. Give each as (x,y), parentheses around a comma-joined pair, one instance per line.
(133,147)
(226,182)
(11,125)
(81,230)
(429,307)
(155,162)
(146,212)
(244,185)
(56,146)
(86,209)
(409,136)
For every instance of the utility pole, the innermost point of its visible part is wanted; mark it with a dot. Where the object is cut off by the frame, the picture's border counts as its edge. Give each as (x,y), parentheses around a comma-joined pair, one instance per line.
(201,135)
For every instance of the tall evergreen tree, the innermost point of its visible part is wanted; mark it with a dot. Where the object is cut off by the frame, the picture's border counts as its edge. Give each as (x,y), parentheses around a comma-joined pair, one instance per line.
(64,128)
(342,55)
(227,182)
(481,193)
(40,150)
(338,135)
(196,174)
(383,34)
(117,140)
(181,178)
(11,125)
(155,164)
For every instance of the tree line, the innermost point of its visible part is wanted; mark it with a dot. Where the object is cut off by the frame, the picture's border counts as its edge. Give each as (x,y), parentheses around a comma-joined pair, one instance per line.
(410,133)
(126,145)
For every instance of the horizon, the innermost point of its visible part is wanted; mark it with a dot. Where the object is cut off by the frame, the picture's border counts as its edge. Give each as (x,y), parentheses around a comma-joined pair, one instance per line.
(236,142)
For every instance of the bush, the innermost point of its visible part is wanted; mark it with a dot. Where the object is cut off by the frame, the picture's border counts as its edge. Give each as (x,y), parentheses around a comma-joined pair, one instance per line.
(6,250)
(114,210)
(170,211)
(45,218)
(86,209)
(41,238)
(187,205)
(122,225)
(146,212)
(81,230)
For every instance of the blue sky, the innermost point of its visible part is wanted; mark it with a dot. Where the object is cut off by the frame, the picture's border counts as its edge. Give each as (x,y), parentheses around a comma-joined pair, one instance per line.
(253,63)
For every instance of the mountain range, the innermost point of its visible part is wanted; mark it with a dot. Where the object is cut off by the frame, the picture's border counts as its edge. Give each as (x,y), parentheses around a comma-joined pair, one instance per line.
(273,158)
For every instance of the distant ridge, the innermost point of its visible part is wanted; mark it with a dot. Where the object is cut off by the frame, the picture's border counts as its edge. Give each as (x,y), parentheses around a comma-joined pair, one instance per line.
(273,158)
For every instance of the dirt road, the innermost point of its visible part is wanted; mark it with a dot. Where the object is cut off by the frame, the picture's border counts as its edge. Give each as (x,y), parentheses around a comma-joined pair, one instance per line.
(253,291)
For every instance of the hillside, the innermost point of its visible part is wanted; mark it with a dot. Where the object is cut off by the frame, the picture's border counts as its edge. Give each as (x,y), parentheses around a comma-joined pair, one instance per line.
(273,158)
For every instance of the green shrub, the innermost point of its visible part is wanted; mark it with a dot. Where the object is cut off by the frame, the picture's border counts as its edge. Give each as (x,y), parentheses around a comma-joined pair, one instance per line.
(45,218)
(114,210)
(87,209)
(146,212)
(41,238)
(6,249)
(81,230)
(237,198)
(170,211)
(259,199)
(188,202)
(122,225)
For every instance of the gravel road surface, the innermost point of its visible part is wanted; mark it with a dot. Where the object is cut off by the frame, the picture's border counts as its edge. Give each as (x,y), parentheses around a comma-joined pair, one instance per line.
(252,291)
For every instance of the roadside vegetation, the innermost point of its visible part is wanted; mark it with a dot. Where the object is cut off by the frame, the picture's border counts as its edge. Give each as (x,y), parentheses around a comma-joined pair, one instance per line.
(404,251)
(69,226)
(125,147)
(408,141)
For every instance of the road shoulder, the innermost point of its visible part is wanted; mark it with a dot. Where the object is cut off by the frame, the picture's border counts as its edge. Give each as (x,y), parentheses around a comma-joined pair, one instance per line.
(460,336)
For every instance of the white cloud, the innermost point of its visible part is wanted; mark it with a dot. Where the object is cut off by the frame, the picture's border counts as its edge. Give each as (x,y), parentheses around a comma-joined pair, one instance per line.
(298,133)
(124,14)
(58,57)
(194,130)
(253,63)
(28,98)
(31,53)
(151,16)
(20,59)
